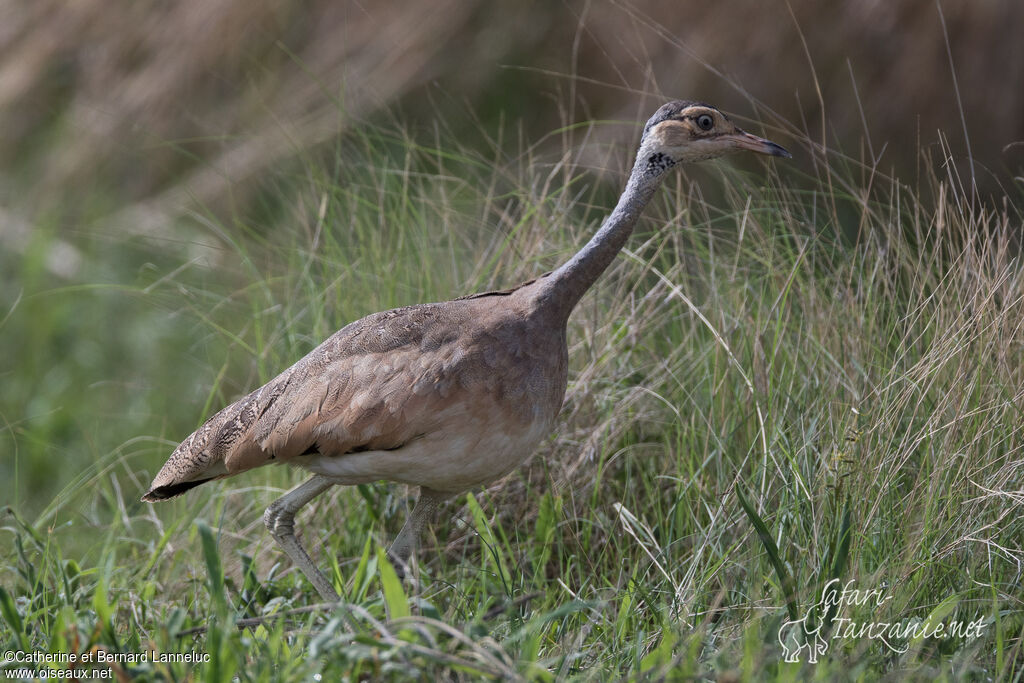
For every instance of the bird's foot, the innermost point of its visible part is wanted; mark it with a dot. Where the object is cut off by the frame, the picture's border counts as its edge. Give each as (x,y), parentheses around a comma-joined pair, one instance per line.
(402,568)
(280,521)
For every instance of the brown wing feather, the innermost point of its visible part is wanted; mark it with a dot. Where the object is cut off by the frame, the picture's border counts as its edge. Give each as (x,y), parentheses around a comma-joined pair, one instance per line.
(348,393)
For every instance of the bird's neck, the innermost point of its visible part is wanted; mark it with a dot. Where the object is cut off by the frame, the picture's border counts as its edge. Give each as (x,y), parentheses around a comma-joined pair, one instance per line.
(562,289)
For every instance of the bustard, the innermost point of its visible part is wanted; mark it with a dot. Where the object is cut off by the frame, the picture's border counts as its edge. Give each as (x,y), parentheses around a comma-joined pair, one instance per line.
(444,396)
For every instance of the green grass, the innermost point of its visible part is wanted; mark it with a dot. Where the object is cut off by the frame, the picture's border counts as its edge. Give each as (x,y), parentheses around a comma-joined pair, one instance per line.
(785,379)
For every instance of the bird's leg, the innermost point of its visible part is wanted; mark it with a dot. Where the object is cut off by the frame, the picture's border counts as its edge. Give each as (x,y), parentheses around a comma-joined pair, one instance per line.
(280,520)
(401,550)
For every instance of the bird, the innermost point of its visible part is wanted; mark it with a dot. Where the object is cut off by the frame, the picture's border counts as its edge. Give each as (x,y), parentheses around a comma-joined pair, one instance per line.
(445,396)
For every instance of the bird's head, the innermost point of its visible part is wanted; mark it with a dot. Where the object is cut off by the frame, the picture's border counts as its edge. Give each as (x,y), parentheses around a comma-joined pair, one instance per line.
(692,131)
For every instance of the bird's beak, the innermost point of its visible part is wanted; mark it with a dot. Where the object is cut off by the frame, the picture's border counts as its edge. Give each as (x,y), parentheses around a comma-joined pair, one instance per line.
(743,140)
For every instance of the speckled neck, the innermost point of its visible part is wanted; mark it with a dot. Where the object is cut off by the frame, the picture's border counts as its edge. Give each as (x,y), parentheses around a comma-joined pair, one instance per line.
(563,289)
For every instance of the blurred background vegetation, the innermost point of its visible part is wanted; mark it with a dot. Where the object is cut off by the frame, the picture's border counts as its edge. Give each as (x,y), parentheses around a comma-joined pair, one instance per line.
(193,194)
(130,132)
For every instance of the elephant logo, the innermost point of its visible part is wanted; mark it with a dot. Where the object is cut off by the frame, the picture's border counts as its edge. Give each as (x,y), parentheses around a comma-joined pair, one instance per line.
(794,636)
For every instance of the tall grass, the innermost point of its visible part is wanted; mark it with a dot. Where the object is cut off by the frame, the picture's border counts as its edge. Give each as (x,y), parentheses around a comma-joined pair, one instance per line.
(784,379)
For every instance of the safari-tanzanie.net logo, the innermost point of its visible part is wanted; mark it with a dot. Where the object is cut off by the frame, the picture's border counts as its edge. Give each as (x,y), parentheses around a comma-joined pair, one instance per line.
(827,621)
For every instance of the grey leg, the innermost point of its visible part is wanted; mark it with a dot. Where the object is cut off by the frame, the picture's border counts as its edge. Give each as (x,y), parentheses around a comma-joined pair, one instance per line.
(280,520)
(401,550)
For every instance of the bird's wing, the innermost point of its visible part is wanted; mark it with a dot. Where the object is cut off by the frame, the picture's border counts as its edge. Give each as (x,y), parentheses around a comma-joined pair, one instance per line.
(374,384)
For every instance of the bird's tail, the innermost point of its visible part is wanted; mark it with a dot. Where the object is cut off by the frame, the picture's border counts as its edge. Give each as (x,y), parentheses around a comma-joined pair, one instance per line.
(199,458)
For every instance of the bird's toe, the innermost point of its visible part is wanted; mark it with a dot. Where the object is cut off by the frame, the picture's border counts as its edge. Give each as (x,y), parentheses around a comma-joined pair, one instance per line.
(400,565)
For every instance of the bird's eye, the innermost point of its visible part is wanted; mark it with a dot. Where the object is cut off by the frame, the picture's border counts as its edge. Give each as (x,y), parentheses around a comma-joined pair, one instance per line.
(705,122)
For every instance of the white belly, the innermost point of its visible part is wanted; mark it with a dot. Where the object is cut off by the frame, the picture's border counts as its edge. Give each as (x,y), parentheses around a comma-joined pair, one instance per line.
(464,452)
